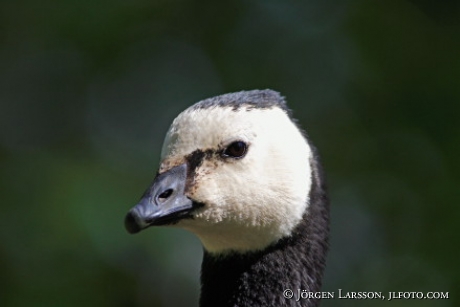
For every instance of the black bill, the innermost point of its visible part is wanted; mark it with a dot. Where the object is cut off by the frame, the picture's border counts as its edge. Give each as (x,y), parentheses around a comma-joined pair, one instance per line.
(163,203)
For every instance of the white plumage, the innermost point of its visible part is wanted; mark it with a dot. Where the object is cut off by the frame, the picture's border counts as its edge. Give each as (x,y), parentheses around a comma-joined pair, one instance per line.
(249,202)
(238,172)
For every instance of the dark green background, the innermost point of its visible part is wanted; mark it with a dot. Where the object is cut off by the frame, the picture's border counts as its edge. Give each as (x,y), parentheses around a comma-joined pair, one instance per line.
(88,89)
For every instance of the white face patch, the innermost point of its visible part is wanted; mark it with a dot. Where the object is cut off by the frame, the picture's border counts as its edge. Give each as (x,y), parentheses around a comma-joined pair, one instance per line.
(250,202)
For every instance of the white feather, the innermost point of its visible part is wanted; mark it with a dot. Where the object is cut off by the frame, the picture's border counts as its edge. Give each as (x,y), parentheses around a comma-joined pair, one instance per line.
(249,202)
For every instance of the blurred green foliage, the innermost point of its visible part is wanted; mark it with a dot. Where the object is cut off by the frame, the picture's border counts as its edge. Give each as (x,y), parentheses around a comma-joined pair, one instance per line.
(88,89)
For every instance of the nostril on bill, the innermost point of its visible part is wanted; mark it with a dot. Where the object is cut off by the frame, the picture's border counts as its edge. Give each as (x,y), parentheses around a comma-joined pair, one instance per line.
(165,195)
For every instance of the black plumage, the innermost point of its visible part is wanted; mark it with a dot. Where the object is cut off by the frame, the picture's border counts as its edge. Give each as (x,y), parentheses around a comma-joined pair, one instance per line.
(255,99)
(295,262)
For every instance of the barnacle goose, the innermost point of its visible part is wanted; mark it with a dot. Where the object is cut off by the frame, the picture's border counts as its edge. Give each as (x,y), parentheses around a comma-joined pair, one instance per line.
(237,171)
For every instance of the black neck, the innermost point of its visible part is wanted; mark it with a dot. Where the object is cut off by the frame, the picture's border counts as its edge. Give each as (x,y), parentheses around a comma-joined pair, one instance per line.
(259,278)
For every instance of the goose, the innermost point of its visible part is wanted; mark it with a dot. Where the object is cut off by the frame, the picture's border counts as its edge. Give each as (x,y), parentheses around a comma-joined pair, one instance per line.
(238,172)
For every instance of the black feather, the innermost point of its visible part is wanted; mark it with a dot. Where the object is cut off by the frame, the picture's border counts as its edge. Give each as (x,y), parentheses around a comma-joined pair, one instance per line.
(255,99)
(295,262)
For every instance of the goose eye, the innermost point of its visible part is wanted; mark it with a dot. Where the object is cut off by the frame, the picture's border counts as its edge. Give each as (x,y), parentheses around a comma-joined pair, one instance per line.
(236,150)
